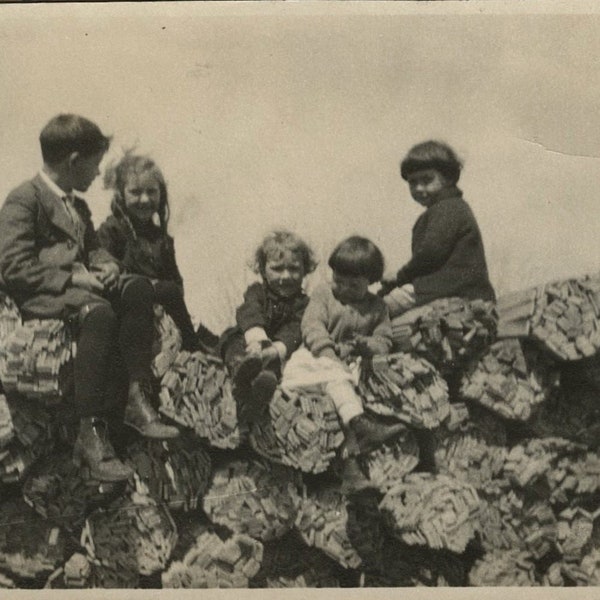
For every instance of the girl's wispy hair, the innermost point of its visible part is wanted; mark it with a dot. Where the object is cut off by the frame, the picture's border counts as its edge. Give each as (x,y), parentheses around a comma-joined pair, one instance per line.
(276,243)
(117,173)
(358,256)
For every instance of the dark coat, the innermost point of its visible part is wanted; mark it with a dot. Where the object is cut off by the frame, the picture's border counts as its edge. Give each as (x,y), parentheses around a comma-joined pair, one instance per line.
(38,248)
(141,249)
(448,258)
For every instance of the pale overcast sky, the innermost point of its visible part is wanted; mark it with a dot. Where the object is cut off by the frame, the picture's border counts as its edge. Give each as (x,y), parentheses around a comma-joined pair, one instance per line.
(298,116)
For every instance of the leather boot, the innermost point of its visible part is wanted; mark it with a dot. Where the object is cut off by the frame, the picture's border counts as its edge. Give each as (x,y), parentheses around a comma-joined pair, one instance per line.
(262,390)
(370,433)
(141,416)
(92,449)
(246,370)
(354,478)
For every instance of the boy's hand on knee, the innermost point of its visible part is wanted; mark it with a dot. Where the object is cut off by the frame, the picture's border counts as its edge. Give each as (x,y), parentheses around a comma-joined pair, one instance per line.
(269,353)
(86,281)
(107,273)
(254,348)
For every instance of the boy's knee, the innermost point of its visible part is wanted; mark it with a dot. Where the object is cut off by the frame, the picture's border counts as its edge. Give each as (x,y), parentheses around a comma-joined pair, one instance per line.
(137,294)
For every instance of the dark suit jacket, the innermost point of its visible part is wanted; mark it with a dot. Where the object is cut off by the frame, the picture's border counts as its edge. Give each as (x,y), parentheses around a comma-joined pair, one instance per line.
(38,248)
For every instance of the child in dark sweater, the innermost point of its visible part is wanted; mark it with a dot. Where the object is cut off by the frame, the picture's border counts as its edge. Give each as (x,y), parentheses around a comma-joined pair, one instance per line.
(268,321)
(448,257)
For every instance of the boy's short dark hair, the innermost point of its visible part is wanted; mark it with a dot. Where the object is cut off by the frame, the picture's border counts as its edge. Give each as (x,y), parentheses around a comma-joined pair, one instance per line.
(67,133)
(357,256)
(432,154)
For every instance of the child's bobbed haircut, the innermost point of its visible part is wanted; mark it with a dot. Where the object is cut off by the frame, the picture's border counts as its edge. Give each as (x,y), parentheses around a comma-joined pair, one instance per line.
(276,243)
(357,256)
(432,154)
(116,176)
(67,133)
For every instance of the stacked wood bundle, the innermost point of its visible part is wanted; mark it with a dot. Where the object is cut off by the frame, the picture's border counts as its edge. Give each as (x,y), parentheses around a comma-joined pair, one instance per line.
(575,479)
(167,341)
(432,510)
(176,472)
(254,498)
(133,534)
(34,431)
(391,461)
(405,387)
(511,379)
(196,393)
(302,430)
(29,545)
(511,521)
(324,522)
(574,535)
(35,360)
(563,316)
(64,494)
(75,573)
(216,563)
(7,429)
(10,316)
(447,331)
(473,451)
(504,568)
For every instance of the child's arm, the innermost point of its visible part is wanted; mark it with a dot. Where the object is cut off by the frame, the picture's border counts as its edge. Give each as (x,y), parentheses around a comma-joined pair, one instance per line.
(380,342)
(251,315)
(442,229)
(172,272)
(315,334)
(288,337)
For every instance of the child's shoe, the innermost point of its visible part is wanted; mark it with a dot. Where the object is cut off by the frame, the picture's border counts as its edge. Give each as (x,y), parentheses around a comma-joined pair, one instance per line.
(247,370)
(263,388)
(370,433)
(92,449)
(141,416)
(353,477)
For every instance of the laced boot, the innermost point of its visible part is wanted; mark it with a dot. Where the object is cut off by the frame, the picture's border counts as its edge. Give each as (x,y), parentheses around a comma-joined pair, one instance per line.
(141,416)
(370,433)
(92,449)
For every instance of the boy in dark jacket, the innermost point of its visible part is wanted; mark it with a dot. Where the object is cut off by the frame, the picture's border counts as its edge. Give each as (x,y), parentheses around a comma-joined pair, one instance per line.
(448,257)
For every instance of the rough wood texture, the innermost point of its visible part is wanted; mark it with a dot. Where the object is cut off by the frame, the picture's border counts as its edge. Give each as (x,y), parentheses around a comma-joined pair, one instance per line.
(391,461)
(196,393)
(134,534)
(405,387)
(325,521)
(34,436)
(510,379)
(10,317)
(254,498)
(167,341)
(574,535)
(447,331)
(473,451)
(176,472)
(216,563)
(29,545)
(36,360)
(302,430)
(64,494)
(433,510)
(504,568)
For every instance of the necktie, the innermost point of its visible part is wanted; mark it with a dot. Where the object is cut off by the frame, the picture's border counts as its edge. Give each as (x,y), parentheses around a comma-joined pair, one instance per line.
(74,216)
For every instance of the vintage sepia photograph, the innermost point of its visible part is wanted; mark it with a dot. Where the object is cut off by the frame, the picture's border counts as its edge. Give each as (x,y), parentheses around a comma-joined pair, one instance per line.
(301,296)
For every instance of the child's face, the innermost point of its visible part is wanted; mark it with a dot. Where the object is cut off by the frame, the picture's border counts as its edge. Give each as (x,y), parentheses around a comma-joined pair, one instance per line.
(425,185)
(348,289)
(142,195)
(284,273)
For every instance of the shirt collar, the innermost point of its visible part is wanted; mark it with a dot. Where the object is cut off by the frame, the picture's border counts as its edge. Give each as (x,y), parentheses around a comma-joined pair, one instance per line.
(53,187)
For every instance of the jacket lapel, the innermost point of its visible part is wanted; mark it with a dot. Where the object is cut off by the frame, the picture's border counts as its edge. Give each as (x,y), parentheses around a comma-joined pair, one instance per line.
(51,204)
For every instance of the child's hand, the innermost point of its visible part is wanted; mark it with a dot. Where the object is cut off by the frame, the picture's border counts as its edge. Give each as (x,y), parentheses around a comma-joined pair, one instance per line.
(107,273)
(85,280)
(254,348)
(269,353)
(344,350)
(388,283)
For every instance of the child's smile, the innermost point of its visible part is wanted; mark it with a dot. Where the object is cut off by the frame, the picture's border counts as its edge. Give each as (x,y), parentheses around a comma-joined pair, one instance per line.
(142,196)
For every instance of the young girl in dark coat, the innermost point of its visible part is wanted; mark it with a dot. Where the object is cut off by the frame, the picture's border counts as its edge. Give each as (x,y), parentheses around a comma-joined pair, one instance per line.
(448,258)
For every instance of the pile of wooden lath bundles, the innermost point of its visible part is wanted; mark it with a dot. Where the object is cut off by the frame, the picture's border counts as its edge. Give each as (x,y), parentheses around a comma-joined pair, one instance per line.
(301,430)
(196,393)
(446,331)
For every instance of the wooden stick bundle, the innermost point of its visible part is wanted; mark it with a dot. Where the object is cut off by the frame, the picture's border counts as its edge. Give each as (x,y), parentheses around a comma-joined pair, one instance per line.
(10,317)
(510,379)
(216,563)
(432,510)
(196,393)
(302,431)
(405,387)
(254,498)
(503,568)
(167,342)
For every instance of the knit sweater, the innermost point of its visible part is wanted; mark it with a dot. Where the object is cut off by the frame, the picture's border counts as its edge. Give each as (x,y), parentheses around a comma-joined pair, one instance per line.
(327,321)
(448,258)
